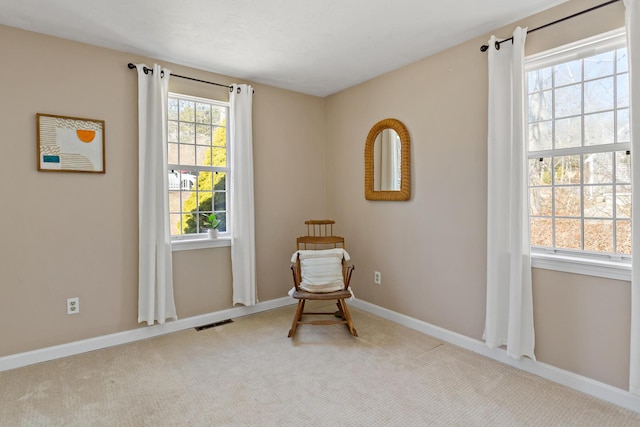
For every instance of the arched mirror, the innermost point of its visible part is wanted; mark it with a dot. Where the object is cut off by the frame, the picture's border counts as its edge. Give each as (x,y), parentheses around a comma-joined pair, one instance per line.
(387,170)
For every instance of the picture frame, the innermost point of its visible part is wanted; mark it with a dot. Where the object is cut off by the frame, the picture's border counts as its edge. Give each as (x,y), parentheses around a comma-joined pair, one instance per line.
(70,144)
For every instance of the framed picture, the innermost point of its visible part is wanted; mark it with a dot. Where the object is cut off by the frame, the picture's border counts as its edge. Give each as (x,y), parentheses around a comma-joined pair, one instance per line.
(70,144)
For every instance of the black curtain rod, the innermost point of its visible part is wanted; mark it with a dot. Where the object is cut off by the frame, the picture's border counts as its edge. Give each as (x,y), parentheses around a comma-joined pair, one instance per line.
(485,47)
(149,70)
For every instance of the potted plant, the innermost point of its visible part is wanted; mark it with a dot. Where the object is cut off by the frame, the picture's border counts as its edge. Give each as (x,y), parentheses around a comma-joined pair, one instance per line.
(211,223)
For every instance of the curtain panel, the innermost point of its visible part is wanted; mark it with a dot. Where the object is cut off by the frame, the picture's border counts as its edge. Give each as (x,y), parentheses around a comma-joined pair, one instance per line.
(243,246)
(155,274)
(509,311)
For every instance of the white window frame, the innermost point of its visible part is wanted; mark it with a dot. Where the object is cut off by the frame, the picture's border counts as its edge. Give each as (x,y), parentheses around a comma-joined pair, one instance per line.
(201,240)
(613,266)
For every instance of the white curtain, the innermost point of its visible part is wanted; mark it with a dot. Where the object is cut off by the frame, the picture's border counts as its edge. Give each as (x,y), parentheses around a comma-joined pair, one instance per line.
(243,245)
(632,13)
(155,279)
(509,315)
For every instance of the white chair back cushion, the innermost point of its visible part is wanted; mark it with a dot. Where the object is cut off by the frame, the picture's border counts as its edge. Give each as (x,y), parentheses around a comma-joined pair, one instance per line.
(321,270)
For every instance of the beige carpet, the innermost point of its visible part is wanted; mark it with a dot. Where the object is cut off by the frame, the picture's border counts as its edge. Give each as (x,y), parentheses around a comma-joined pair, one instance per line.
(248,373)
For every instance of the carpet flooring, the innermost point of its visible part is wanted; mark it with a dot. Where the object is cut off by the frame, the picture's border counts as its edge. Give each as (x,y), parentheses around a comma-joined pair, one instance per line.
(248,373)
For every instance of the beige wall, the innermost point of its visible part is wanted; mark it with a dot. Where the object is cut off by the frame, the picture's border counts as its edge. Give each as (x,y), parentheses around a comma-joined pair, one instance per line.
(69,235)
(66,235)
(431,250)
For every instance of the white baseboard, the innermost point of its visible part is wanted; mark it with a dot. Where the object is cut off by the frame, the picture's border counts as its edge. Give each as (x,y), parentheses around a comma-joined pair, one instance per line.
(50,353)
(577,382)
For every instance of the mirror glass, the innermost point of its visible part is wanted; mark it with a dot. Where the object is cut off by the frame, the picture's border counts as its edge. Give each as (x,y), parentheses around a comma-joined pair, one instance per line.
(386,161)
(387,165)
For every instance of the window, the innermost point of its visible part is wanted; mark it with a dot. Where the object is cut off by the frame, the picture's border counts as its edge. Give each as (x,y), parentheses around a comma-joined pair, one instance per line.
(579,149)
(198,164)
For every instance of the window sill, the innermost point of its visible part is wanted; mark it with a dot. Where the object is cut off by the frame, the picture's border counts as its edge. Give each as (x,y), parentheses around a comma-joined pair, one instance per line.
(610,269)
(199,243)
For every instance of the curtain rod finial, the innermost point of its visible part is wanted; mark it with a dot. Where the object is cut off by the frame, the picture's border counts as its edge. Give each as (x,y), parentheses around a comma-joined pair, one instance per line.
(484,48)
(131,66)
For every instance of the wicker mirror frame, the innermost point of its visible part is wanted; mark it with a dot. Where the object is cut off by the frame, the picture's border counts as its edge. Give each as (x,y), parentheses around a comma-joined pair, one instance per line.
(405,162)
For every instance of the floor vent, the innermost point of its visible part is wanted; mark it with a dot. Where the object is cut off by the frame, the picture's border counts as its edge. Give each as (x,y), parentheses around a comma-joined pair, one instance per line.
(213,325)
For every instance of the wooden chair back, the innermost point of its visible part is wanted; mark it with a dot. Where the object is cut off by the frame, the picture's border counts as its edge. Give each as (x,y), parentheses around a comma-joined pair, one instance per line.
(319,236)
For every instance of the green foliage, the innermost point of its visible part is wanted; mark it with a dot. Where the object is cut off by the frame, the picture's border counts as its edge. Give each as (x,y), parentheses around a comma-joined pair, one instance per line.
(211,221)
(190,225)
(199,203)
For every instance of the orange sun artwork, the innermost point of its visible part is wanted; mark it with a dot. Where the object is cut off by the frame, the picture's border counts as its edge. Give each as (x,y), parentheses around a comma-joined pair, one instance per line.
(86,135)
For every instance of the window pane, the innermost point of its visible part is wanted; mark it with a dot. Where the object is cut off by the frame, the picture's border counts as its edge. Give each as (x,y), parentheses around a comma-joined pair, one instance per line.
(623,237)
(188,199)
(623,167)
(598,129)
(598,201)
(219,137)
(568,101)
(598,235)
(540,106)
(541,232)
(219,156)
(569,132)
(567,169)
(623,91)
(205,183)
(187,133)
(220,181)
(218,115)
(540,136)
(598,65)
(203,154)
(623,126)
(540,171)
(623,201)
(568,233)
(172,131)
(173,109)
(187,180)
(187,154)
(540,201)
(203,113)
(203,135)
(539,80)
(174,224)
(186,112)
(567,73)
(174,201)
(598,95)
(567,201)
(173,154)
(222,216)
(598,168)
(622,60)
(220,200)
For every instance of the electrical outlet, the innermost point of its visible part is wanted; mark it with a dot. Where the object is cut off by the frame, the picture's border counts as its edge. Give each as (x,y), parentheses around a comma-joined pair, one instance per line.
(73,305)
(377,278)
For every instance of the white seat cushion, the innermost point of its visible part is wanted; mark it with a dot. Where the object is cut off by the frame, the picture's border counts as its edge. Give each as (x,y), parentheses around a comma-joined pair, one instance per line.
(321,270)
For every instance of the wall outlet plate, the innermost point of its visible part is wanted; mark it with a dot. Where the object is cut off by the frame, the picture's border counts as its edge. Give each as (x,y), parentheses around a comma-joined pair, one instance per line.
(73,305)
(377,278)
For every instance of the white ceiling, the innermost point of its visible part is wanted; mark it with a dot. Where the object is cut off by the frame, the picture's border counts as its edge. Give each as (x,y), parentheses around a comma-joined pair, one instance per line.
(317,47)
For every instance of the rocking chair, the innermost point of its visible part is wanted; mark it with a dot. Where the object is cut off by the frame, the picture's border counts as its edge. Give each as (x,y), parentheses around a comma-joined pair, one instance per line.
(321,273)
